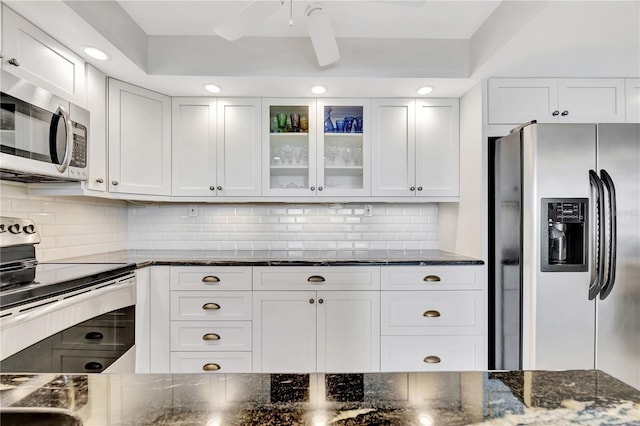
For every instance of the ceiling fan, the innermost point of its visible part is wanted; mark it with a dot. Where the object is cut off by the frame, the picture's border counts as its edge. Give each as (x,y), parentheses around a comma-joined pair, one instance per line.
(318,26)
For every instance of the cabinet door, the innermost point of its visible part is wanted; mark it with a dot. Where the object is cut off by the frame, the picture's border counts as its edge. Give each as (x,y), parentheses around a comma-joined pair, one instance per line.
(42,60)
(344,147)
(520,100)
(139,140)
(238,146)
(289,154)
(632,98)
(284,332)
(348,331)
(97,106)
(193,147)
(438,148)
(592,100)
(393,142)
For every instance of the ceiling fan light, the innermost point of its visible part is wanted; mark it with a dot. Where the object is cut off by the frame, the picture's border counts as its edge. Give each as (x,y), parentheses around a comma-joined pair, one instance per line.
(321,34)
(247,19)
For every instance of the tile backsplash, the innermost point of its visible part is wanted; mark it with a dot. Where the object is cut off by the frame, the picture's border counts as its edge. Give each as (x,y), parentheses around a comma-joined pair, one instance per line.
(283,227)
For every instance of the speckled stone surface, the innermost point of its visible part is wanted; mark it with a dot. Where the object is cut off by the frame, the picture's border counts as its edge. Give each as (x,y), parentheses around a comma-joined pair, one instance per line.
(501,398)
(277,257)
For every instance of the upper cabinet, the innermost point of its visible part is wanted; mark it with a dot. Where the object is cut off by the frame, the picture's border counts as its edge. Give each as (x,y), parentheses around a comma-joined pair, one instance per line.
(415,147)
(574,100)
(97,106)
(30,53)
(139,140)
(633,100)
(216,147)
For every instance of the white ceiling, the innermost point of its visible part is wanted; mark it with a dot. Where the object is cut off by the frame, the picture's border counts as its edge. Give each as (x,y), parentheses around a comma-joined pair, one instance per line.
(388,48)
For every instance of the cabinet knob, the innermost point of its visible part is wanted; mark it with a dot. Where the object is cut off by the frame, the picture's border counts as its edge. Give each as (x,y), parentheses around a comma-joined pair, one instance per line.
(93,335)
(1,55)
(210,279)
(311,301)
(419,188)
(211,306)
(432,359)
(321,301)
(93,366)
(316,279)
(320,188)
(431,278)
(211,336)
(212,188)
(211,367)
(555,113)
(100,180)
(313,188)
(14,62)
(413,188)
(114,182)
(219,188)
(564,113)
(431,314)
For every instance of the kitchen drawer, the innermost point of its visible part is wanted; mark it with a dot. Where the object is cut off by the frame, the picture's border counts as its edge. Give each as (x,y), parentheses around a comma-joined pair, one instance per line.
(316,278)
(76,361)
(211,336)
(457,277)
(219,362)
(96,337)
(432,312)
(432,353)
(211,305)
(210,278)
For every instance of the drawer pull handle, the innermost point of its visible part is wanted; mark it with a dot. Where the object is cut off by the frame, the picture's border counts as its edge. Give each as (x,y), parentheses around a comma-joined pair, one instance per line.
(211,367)
(431,278)
(316,279)
(93,335)
(211,306)
(211,336)
(210,279)
(93,366)
(431,314)
(432,359)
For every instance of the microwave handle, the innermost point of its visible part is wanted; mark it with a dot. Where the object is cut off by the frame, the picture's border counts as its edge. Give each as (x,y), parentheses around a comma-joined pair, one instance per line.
(66,160)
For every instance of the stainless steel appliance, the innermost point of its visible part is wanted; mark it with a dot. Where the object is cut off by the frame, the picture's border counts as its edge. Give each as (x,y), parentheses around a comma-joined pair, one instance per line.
(70,318)
(42,137)
(566,248)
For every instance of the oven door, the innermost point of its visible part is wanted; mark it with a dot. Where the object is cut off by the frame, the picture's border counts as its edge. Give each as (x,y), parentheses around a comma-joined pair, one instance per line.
(86,333)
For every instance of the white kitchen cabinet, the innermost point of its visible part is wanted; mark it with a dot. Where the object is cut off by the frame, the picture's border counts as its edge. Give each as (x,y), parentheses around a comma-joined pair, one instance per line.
(33,55)
(97,106)
(139,140)
(632,97)
(216,147)
(416,147)
(573,100)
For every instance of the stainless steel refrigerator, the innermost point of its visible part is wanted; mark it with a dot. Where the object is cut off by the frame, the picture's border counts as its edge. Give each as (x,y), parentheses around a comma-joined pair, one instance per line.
(565,248)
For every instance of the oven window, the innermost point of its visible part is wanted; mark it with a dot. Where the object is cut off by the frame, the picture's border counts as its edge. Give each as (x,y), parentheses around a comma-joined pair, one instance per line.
(88,347)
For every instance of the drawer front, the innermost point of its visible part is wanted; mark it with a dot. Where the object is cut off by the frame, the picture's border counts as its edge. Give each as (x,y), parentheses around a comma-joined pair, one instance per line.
(459,277)
(432,312)
(316,278)
(432,353)
(210,278)
(211,362)
(211,336)
(97,337)
(211,305)
(77,361)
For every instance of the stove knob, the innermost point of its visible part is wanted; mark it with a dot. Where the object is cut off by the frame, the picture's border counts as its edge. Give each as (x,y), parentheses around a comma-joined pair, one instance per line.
(14,229)
(29,229)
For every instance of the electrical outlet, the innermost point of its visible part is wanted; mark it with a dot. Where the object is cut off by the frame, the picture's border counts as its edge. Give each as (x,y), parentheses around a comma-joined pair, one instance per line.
(368,210)
(193,210)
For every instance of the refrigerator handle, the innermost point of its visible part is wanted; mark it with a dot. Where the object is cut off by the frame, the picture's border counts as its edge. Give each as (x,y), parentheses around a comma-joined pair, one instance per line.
(596,285)
(612,240)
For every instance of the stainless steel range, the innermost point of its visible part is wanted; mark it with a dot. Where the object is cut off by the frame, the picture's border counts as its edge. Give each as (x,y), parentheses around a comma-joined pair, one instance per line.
(60,317)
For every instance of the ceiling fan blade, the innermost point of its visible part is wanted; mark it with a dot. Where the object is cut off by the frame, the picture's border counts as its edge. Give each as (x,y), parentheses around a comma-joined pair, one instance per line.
(322,36)
(248,18)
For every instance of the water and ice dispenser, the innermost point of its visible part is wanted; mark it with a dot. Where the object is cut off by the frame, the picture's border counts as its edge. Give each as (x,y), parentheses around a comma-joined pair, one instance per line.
(564,238)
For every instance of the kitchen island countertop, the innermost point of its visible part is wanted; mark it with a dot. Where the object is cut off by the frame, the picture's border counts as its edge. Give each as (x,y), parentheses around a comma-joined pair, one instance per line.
(588,397)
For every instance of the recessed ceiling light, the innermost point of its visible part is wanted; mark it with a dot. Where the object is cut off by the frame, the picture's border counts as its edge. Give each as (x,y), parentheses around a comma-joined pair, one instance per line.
(212,88)
(318,90)
(425,90)
(96,53)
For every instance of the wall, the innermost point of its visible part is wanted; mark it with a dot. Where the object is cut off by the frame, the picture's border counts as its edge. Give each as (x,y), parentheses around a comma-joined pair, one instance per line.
(283,226)
(69,226)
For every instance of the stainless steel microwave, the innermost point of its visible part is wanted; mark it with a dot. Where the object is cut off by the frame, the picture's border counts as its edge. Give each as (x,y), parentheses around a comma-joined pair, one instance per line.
(43,138)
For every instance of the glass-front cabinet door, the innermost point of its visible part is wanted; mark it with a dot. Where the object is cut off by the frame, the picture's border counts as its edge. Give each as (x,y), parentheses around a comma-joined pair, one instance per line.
(343,147)
(290,157)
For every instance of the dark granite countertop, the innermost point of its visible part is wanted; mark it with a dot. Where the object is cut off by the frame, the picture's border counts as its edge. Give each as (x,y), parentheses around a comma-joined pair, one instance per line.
(502,398)
(277,257)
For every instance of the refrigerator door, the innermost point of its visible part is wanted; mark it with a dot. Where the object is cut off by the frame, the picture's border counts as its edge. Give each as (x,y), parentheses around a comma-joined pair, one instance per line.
(618,320)
(558,319)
